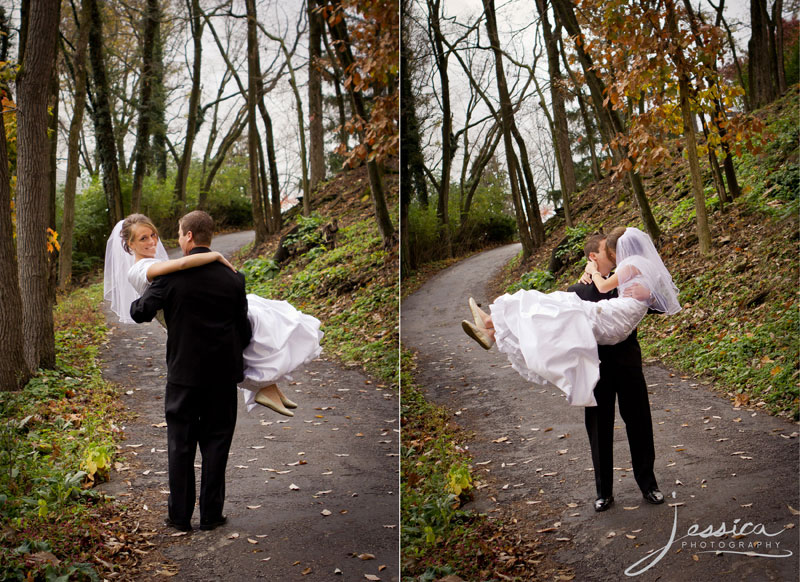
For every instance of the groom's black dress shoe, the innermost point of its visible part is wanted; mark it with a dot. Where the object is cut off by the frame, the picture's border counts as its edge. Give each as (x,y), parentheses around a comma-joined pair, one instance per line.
(209,525)
(603,503)
(654,496)
(178,526)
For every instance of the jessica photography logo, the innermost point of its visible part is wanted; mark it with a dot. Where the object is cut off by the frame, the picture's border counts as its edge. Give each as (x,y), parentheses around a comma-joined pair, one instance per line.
(761,543)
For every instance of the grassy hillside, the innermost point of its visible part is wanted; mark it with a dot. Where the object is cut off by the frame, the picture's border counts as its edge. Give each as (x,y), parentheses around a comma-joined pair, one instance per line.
(739,323)
(353,288)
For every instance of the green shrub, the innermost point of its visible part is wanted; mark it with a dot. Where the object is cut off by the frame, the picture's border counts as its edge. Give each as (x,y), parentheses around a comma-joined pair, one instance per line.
(539,280)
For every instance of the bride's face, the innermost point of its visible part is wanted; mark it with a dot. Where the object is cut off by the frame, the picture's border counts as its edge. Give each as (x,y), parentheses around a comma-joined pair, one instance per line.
(144,242)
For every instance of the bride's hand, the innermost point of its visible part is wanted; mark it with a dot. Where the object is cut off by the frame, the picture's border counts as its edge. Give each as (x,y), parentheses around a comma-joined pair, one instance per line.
(591,268)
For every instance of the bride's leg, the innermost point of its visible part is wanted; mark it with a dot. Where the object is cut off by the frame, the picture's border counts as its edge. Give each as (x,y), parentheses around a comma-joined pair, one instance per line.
(269,396)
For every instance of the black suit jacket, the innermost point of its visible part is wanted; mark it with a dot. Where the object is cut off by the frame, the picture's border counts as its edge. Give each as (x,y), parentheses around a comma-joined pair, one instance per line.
(205,309)
(627,352)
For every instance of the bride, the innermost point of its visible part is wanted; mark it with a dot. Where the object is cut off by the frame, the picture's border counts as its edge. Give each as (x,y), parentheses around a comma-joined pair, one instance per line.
(552,338)
(283,338)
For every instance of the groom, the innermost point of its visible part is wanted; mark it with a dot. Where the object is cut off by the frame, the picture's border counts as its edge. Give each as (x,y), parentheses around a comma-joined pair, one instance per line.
(206,316)
(620,376)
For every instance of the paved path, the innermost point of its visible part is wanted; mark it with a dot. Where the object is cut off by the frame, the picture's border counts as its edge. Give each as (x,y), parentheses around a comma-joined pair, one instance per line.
(305,496)
(725,466)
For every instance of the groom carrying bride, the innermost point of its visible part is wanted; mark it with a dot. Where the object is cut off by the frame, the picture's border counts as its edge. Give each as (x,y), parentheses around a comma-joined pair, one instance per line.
(205,309)
(620,376)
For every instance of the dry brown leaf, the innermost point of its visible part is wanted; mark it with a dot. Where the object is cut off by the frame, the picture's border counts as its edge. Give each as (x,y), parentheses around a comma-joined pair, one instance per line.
(630,537)
(372,577)
(253,506)
(325,512)
(307,571)
(631,508)
(500,440)
(793,510)
(366,557)
(252,541)
(611,534)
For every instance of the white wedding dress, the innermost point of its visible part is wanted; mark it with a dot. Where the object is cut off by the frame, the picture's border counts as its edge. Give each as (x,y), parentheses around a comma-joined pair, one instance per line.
(552,338)
(283,337)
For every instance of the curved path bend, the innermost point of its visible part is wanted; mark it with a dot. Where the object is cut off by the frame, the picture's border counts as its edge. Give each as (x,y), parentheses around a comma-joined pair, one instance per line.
(720,467)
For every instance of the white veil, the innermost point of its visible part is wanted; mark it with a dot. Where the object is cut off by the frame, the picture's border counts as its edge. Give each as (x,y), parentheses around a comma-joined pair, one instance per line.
(635,248)
(116,287)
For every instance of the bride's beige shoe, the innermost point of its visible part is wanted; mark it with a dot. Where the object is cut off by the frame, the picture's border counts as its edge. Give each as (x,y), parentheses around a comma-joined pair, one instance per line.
(478,334)
(478,314)
(269,396)
(286,402)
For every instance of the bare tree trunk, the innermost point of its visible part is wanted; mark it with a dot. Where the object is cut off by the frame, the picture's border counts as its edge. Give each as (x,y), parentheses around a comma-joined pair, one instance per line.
(316,129)
(777,22)
(151,16)
(103,124)
(263,189)
(507,117)
(159,103)
(185,162)
(560,127)
(337,86)
(761,70)
(73,148)
(14,370)
(301,125)
(33,182)
(443,204)
(703,232)
(252,130)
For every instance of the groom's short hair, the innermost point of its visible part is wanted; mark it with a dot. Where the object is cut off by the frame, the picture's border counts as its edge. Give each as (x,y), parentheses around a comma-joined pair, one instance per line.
(592,244)
(201,225)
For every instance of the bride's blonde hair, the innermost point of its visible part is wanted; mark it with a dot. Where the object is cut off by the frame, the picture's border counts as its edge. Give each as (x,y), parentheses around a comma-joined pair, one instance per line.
(126,232)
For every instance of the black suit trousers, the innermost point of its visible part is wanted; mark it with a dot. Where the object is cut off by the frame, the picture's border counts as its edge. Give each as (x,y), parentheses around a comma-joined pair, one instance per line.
(629,385)
(205,417)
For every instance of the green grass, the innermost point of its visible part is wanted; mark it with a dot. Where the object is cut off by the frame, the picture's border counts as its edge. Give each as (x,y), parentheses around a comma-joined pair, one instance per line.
(57,439)
(438,537)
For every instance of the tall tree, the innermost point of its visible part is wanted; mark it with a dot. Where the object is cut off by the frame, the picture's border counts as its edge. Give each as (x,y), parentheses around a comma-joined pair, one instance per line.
(762,72)
(316,129)
(152,15)
(14,370)
(193,120)
(73,146)
(560,127)
(441,57)
(103,123)
(684,89)
(33,152)
(253,73)
(507,119)
(300,118)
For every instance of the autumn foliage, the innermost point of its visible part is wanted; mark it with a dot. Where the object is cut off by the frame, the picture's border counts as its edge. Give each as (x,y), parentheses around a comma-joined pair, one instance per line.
(374,29)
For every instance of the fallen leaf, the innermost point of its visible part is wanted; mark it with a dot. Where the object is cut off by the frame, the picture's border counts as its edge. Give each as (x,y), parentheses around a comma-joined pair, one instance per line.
(381,568)
(294,487)
(500,440)
(630,537)
(325,512)
(253,506)
(307,571)
(372,577)
(160,425)
(366,557)
(793,510)
(611,534)
(338,572)
(233,536)
(252,541)
(631,508)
